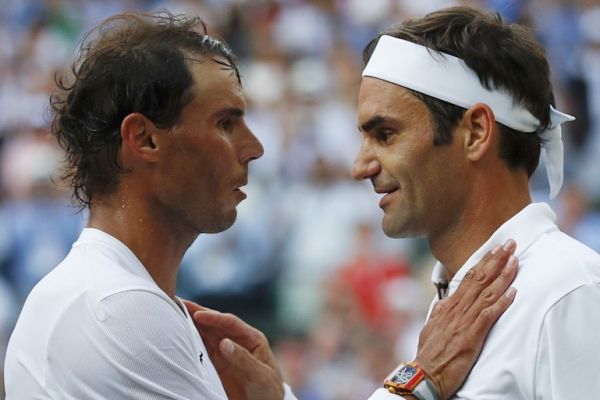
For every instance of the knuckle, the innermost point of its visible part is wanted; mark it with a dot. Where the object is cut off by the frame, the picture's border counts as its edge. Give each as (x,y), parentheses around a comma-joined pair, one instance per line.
(475,275)
(488,316)
(469,274)
(440,307)
(499,255)
(486,258)
(487,296)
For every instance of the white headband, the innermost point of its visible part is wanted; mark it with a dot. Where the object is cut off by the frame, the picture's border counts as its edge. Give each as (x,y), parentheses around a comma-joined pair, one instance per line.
(448,78)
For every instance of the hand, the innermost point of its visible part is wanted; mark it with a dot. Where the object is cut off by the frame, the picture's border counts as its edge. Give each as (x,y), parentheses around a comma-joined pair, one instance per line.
(240,353)
(453,337)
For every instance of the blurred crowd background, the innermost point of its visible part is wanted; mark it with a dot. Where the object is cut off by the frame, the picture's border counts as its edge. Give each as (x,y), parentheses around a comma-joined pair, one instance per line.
(306,261)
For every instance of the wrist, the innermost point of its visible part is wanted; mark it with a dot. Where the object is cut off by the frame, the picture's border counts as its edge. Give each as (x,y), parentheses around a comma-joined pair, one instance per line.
(410,381)
(432,373)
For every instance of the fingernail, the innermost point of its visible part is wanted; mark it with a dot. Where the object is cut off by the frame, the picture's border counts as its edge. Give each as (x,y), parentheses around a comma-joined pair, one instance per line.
(226,346)
(495,249)
(510,293)
(508,245)
(512,261)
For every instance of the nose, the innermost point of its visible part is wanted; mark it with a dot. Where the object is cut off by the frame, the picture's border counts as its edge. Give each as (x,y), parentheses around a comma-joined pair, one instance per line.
(253,148)
(365,166)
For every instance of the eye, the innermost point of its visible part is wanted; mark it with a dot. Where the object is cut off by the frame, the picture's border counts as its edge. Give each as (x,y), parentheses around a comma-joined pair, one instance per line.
(226,124)
(383,134)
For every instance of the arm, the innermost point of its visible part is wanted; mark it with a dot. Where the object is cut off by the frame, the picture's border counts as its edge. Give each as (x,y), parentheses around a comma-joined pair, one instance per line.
(448,345)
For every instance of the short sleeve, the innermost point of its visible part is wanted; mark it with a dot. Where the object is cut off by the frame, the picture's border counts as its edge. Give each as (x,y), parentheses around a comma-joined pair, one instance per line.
(567,364)
(130,345)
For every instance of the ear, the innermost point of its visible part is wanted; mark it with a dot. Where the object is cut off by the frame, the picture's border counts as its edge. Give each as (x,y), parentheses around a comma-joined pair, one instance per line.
(137,133)
(479,126)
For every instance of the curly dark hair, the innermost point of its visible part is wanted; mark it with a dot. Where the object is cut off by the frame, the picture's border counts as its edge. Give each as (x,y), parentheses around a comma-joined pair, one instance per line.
(131,62)
(503,55)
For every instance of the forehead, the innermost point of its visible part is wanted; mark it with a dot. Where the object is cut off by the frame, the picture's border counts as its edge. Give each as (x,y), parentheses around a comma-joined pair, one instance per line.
(379,97)
(216,85)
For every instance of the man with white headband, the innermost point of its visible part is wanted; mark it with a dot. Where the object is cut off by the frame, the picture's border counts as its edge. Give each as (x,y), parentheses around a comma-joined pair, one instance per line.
(455,109)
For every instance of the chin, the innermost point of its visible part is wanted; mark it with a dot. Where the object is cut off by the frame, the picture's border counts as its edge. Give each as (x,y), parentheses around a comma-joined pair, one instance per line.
(396,231)
(223,223)
(393,234)
(389,231)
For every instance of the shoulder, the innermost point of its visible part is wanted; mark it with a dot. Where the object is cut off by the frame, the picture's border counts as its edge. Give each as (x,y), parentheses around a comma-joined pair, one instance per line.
(116,317)
(567,342)
(126,338)
(551,269)
(560,263)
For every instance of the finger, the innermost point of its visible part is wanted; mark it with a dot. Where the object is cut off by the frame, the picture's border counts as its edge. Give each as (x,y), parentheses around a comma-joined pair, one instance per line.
(488,317)
(229,325)
(193,307)
(498,287)
(211,338)
(239,359)
(483,273)
(261,381)
(216,319)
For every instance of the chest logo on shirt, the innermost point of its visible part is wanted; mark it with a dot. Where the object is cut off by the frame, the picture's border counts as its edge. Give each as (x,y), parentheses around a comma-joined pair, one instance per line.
(201,358)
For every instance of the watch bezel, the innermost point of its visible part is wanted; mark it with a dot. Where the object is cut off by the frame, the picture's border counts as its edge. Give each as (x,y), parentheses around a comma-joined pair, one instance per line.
(395,383)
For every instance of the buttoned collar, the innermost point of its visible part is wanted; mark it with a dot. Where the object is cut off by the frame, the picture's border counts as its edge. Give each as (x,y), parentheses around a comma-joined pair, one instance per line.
(524,227)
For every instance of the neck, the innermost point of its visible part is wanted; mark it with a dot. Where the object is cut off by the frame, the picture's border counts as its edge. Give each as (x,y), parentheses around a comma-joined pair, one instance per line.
(158,244)
(481,216)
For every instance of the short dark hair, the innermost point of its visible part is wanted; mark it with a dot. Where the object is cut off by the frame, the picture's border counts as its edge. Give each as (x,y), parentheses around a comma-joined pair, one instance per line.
(503,55)
(131,62)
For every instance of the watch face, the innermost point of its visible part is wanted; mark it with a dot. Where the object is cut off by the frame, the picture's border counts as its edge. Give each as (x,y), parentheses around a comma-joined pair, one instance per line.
(404,374)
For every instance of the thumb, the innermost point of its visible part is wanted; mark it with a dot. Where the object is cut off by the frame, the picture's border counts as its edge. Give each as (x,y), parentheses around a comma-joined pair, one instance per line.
(238,357)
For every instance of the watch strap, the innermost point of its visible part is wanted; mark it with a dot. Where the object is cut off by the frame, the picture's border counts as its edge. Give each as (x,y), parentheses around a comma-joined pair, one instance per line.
(425,391)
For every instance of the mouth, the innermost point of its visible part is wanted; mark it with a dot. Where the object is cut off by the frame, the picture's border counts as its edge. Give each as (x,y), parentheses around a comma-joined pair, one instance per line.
(240,192)
(387,195)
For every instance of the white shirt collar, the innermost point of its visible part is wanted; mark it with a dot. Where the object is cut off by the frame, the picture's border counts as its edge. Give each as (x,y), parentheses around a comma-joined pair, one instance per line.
(524,227)
(133,265)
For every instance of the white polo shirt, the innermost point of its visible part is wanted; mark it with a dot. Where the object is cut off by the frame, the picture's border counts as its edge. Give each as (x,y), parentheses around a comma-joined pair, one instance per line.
(98,327)
(547,344)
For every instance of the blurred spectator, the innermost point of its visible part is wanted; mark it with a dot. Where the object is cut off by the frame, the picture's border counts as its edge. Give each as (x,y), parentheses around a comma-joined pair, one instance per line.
(38,225)
(368,274)
(306,256)
(577,218)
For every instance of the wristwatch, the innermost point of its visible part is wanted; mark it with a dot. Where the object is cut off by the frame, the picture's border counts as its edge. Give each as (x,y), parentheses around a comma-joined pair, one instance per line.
(410,379)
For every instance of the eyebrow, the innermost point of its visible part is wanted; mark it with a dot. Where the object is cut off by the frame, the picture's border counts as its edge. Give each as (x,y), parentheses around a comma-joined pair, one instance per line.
(372,123)
(230,112)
